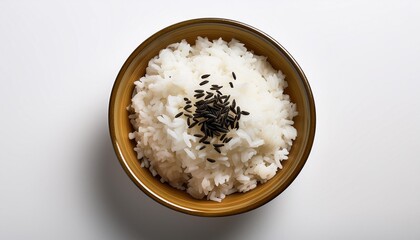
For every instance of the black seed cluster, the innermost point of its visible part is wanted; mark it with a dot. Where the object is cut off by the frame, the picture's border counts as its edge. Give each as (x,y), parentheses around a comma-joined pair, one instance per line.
(214,114)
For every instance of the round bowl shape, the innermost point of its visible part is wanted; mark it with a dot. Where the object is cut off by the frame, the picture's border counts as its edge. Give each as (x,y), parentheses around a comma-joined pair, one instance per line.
(255,40)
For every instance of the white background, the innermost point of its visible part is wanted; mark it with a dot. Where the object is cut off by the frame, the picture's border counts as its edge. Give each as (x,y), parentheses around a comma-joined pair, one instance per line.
(59,176)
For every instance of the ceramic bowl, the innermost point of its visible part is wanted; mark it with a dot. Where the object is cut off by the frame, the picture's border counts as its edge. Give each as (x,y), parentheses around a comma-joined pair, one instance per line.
(261,44)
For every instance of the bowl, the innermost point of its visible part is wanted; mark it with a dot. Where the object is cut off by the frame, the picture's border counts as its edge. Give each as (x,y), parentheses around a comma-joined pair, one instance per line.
(255,40)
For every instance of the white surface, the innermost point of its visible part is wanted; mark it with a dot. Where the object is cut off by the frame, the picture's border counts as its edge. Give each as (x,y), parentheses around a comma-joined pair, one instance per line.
(60,179)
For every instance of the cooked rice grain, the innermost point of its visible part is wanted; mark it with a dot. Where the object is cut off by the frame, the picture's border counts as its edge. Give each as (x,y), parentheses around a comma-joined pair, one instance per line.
(250,155)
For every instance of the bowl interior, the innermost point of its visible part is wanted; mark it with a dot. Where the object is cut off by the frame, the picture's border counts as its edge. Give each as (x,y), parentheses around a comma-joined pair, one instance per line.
(254,40)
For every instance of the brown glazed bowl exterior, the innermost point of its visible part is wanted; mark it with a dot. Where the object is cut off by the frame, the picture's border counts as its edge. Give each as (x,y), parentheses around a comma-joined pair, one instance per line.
(255,40)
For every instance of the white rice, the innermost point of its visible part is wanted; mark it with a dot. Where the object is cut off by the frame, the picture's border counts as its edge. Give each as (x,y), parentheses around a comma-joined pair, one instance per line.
(167,146)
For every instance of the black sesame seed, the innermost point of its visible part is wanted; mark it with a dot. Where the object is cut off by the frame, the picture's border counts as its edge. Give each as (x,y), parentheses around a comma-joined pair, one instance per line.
(198,135)
(203,82)
(199,91)
(210,125)
(212,108)
(188,115)
(188,121)
(203,139)
(225,110)
(211,160)
(186,99)
(218,92)
(202,147)
(217,150)
(192,124)
(227,98)
(223,130)
(217,105)
(228,139)
(222,137)
(216,87)
(234,75)
(187,106)
(199,102)
(226,124)
(199,95)
(205,76)
(214,124)
(218,145)
(179,115)
(210,101)
(244,113)
(231,84)
(209,115)
(206,142)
